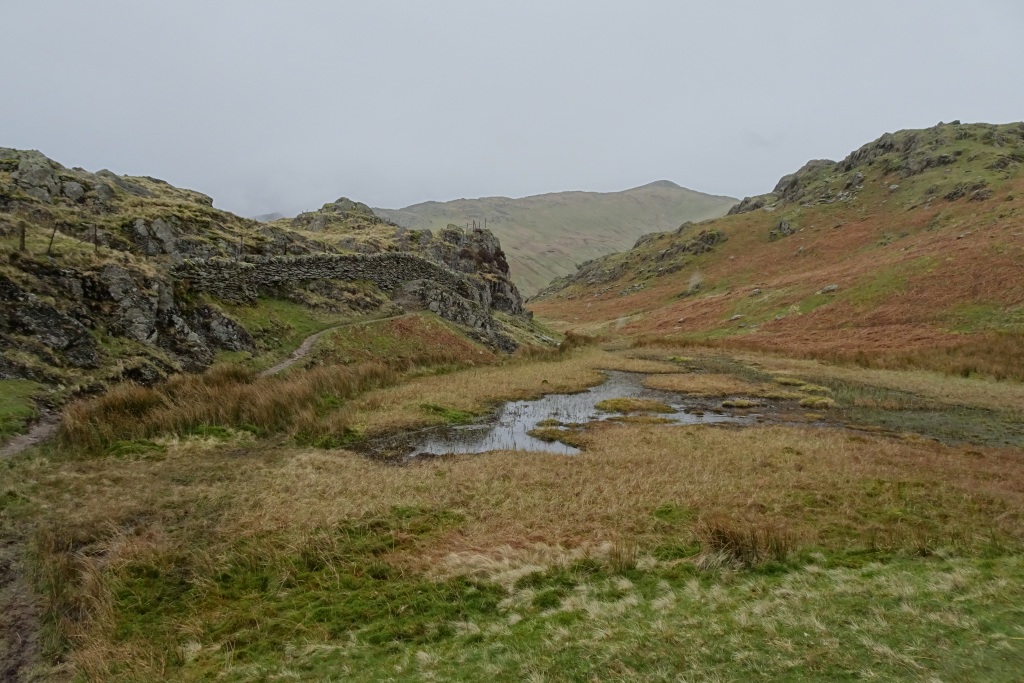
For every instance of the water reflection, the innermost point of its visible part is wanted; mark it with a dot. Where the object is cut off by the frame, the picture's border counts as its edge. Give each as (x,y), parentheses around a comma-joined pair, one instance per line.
(513,420)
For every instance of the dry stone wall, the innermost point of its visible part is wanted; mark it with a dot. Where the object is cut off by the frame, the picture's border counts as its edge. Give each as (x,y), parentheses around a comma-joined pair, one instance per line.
(241,280)
(415,282)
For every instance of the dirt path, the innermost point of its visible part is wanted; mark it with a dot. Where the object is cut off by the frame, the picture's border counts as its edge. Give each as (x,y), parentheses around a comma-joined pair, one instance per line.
(307,344)
(19,618)
(40,432)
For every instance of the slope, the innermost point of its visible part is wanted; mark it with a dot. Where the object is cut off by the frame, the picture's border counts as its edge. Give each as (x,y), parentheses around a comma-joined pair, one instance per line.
(546,235)
(909,251)
(107,278)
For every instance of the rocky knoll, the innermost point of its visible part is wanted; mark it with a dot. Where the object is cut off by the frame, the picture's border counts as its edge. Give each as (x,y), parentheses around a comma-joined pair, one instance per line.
(124,277)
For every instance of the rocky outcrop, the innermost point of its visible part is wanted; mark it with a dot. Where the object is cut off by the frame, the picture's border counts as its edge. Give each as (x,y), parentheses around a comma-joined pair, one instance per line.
(748,204)
(467,300)
(783,229)
(59,325)
(23,313)
(428,295)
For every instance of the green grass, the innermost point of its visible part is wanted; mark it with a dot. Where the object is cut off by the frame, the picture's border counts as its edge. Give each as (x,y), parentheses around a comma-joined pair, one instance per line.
(452,416)
(333,610)
(279,326)
(982,317)
(16,405)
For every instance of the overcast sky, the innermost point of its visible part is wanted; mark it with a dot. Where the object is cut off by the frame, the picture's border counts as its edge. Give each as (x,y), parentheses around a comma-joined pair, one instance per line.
(282,106)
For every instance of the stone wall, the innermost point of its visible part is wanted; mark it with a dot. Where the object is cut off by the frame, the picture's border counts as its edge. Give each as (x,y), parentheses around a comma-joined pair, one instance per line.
(241,280)
(414,282)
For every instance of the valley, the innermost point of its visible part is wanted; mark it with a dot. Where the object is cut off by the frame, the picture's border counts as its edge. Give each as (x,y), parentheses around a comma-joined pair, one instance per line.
(785,443)
(546,235)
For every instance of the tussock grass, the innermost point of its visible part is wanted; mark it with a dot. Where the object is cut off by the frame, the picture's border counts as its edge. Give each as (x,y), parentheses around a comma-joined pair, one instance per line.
(226,396)
(571,340)
(716,384)
(818,403)
(633,405)
(744,541)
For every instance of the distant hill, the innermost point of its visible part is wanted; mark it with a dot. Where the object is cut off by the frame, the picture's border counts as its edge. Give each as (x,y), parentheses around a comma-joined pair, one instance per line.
(546,235)
(913,242)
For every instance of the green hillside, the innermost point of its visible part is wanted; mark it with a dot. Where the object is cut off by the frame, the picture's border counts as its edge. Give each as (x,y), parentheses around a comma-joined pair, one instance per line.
(546,235)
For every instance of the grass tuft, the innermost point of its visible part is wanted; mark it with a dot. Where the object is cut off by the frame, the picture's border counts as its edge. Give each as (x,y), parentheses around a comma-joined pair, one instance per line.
(633,405)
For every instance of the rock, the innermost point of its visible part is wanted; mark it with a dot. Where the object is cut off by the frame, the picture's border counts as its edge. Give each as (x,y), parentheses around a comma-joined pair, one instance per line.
(783,229)
(829,289)
(792,187)
(856,180)
(748,204)
(755,292)
(125,184)
(23,313)
(980,195)
(37,176)
(136,313)
(104,192)
(73,191)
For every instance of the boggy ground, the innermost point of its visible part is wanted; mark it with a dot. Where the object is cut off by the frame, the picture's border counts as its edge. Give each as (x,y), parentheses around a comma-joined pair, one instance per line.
(215,544)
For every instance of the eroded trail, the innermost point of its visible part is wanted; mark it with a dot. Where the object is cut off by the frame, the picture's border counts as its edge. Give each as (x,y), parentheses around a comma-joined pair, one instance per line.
(40,432)
(307,344)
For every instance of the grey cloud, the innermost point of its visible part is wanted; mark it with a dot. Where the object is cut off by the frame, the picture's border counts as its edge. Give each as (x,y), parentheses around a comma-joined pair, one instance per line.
(281,106)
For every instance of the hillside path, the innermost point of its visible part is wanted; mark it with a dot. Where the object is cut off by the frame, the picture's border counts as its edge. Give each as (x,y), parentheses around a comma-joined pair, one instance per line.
(38,433)
(47,426)
(307,344)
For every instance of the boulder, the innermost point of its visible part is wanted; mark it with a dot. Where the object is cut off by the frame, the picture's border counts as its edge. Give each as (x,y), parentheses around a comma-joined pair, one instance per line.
(37,176)
(73,191)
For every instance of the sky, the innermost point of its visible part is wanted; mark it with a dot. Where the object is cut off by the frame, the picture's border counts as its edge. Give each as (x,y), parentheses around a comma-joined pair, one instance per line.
(275,106)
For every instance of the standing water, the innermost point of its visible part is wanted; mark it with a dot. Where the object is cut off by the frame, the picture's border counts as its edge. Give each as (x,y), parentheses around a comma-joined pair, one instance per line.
(509,430)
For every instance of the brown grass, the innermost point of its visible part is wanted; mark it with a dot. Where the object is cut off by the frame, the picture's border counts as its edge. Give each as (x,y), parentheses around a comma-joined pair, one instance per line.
(746,542)
(897,306)
(714,384)
(476,390)
(633,405)
(226,397)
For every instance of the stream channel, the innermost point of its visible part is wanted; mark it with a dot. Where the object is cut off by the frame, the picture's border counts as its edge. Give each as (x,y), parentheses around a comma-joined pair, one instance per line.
(508,428)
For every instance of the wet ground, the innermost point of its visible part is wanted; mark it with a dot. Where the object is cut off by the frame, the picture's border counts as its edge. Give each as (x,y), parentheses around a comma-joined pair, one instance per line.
(509,428)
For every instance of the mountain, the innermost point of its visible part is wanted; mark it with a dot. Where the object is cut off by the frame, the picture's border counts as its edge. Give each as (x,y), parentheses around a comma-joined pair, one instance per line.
(546,235)
(911,250)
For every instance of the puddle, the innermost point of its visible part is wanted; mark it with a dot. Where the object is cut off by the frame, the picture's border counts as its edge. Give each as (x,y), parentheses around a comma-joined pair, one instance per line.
(508,430)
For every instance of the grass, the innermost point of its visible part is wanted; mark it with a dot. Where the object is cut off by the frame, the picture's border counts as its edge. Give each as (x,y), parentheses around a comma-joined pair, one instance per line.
(449,415)
(740,403)
(279,326)
(715,384)
(764,553)
(570,437)
(422,338)
(16,405)
(633,405)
